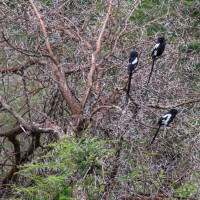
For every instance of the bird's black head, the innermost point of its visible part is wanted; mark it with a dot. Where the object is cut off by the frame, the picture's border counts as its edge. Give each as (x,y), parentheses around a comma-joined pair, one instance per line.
(173,111)
(161,39)
(134,54)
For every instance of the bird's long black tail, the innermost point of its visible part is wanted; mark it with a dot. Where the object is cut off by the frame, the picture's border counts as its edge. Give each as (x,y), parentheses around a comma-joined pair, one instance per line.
(151,71)
(129,83)
(155,135)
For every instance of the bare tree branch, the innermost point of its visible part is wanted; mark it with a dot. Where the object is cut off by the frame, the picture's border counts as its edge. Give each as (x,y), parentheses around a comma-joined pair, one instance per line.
(94,54)
(74,107)
(190,101)
(30,126)
(23,66)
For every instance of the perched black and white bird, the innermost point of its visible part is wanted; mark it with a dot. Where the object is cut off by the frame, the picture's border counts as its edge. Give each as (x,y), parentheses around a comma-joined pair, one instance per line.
(132,64)
(165,120)
(157,51)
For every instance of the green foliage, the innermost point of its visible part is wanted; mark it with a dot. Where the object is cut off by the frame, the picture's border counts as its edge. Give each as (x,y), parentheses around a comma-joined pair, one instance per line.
(158,183)
(7,119)
(155,28)
(70,159)
(137,173)
(187,190)
(11,4)
(193,46)
(46,2)
(2,58)
(144,10)
(197,67)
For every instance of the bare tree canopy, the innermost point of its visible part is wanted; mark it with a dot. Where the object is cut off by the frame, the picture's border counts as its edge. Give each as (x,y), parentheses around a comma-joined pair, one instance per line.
(63,73)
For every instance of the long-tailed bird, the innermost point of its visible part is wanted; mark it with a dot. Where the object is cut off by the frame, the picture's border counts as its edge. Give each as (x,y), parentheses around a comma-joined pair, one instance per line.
(132,64)
(165,120)
(157,51)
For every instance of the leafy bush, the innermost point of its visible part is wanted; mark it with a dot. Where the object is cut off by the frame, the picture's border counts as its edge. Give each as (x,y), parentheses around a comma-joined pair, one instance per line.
(187,190)
(66,167)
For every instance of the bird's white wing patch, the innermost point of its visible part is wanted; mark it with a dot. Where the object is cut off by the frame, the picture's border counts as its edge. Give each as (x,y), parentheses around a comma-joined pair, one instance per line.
(156,46)
(155,53)
(166,119)
(135,61)
(155,49)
